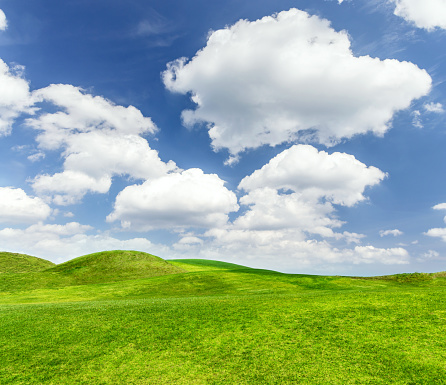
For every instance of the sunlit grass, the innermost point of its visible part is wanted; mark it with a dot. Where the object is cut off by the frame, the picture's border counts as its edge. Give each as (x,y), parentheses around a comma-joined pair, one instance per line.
(210,322)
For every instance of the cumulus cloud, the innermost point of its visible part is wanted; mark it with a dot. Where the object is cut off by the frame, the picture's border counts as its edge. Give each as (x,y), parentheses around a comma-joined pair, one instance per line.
(184,199)
(100,140)
(290,77)
(339,177)
(394,232)
(3,21)
(17,207)
(437,233)
(427,14)
(15,97)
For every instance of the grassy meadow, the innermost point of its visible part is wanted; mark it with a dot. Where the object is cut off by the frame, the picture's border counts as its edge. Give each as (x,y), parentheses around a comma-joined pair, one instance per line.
(144,320)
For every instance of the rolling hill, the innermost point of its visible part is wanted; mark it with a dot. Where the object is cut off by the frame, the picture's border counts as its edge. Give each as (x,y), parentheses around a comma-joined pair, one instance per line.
(22,263)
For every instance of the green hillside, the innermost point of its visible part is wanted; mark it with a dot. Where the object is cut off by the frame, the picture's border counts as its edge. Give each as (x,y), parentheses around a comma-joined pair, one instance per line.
(22,263)
(117,265)
(125,317)
(102,267)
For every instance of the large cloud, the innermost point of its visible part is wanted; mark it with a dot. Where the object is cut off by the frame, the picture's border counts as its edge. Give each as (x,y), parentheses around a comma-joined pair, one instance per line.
(427,14)
(17,207)
(290,75)
(187,199)
(100,140)
(15,97)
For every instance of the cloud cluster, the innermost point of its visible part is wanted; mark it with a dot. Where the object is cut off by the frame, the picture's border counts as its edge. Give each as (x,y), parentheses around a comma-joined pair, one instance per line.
(291,199)
(427,14)
(179,200)
(99,140)
(290,77)
(17,207)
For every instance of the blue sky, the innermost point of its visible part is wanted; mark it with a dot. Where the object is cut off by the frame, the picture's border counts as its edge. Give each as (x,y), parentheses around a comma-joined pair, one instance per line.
(300,136)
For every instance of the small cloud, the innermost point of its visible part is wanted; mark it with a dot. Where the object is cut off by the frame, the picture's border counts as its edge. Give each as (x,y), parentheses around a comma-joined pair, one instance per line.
(440,206)
(434,107)
(36,157)
(430,255)
(394,232)
(416,119)
(68,214)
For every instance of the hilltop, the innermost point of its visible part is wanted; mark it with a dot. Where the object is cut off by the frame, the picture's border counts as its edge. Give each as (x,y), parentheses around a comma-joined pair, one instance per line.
(22,263)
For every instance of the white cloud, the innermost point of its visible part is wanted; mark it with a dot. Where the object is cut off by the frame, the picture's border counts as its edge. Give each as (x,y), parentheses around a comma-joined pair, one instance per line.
(3,21)
(17,207)
(437,232)
(434,107)
(15,97)
(187,199)
(416,119)
(430,255)
(427,14)
(82,112)
(394,232)
(100,140)
(440,206)
(290,77)
(270,210)
(338,177)
(288,250)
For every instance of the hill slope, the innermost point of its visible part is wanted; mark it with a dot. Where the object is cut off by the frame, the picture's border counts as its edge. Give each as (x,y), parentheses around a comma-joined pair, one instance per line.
(116,265)
(22,263)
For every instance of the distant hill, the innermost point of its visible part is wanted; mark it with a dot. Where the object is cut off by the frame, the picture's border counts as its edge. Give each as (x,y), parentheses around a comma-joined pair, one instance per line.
(205,265)
(117,265)
(22,263)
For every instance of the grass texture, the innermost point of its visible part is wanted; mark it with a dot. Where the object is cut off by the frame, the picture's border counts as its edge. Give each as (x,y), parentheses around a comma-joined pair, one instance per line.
(218,323)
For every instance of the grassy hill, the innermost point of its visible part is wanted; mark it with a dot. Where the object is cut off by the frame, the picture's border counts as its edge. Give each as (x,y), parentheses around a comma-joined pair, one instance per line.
(22,263)
(132,318)
(102,267)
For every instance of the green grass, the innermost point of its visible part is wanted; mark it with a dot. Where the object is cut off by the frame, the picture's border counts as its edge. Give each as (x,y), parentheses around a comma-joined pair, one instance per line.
(217,323)
(22,263)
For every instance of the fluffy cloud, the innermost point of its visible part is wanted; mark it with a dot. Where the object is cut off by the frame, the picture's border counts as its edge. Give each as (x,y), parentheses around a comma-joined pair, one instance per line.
(100,140)
(82,112)
(17,207)
(297,189)
(339,177)
(187,199)
(434,107)
(63,242)
(437,232)
(15,97)
(3,21)
(394,232)
(287,77)
(427,14)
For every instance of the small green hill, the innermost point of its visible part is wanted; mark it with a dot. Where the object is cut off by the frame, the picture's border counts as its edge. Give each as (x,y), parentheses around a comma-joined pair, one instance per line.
(22,263)
(117,265)
(205,265)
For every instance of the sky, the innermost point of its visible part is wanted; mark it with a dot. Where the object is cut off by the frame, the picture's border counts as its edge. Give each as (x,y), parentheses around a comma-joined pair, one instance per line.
(301,136)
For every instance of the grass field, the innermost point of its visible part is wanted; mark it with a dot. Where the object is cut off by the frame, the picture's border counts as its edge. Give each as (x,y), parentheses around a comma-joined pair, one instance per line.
(208,322)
